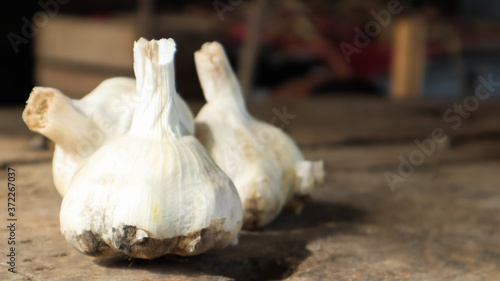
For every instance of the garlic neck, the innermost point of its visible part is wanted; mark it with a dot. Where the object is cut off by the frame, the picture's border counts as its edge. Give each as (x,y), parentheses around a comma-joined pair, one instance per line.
(52,114)
(218,81)
(156,114)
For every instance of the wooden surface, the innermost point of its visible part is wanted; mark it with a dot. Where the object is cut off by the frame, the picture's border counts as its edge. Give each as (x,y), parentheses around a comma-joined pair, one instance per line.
(441,223)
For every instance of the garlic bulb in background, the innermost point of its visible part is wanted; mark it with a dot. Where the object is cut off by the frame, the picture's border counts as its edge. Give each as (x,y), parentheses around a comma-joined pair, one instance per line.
(154,190)
(79,127)
(264,163)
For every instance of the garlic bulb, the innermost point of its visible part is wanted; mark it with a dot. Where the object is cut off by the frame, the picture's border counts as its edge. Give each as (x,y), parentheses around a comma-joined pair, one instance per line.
(154,190)
(264,163)
(79,127)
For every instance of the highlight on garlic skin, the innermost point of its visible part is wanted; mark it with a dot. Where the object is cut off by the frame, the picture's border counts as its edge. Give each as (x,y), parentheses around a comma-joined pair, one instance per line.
(264,163)
(79,127)
(154,190)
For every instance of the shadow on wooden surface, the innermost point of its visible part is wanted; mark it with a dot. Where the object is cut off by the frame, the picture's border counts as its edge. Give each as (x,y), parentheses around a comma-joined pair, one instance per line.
(316,214)
(271,253)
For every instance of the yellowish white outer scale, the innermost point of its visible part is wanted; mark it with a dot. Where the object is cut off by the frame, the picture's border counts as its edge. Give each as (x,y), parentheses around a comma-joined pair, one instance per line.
(154,190)
(268,172)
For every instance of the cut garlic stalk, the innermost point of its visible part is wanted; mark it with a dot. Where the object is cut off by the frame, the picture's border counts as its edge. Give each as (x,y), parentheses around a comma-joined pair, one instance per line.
(55,116)
(154,190)
(79,127)
(264,163)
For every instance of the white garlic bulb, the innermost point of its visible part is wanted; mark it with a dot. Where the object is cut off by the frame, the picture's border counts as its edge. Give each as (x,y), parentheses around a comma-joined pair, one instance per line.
(79,127)
(264,163)
(154,190)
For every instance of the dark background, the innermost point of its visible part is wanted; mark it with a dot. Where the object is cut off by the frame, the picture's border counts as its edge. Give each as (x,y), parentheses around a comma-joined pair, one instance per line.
(475,23)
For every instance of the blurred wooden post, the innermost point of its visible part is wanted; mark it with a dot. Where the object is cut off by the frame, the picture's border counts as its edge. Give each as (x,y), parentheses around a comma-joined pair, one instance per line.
(250,48)
(408,63)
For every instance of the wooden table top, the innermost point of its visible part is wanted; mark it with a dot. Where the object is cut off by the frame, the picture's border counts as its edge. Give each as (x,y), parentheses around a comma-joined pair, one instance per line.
(441,222)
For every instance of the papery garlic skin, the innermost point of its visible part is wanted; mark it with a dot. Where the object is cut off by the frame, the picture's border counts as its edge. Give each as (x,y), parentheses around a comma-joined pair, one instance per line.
(264,163)
(154,190)
(112,104)
(109,107)
(51,113)
(254,170)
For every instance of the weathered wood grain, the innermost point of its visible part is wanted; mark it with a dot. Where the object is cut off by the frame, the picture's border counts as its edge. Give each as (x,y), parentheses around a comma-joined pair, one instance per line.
(441,223)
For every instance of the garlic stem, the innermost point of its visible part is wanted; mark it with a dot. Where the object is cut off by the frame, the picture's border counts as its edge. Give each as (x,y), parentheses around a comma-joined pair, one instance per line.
(217,79)
(154,68)
(53,115)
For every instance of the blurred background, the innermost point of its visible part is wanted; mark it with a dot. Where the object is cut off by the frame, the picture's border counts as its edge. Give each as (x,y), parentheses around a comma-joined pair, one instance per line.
(391,49)
(386,92)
